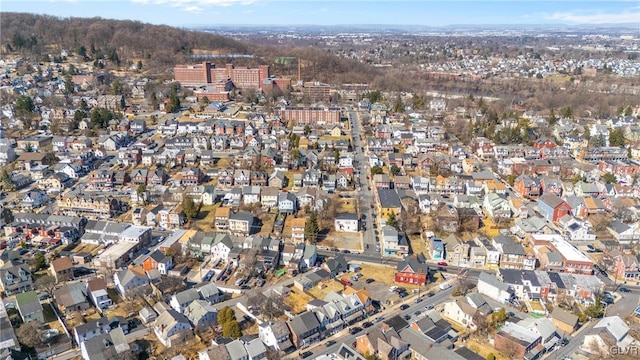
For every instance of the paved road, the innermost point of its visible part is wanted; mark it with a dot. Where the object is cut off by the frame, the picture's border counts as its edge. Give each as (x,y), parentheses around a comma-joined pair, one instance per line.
(625,304)
(365,195)
(345,337)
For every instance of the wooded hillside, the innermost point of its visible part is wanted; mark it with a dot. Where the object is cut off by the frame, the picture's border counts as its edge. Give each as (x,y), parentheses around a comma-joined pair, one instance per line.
(163,45)
(160,47)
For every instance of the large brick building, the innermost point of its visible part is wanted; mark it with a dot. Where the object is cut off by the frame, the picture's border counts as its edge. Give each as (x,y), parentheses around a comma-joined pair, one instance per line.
(208,73)
(310,116)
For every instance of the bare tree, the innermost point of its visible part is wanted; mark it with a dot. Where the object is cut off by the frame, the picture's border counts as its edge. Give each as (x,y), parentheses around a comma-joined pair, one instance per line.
(30,334)
(46,283)
(510,349)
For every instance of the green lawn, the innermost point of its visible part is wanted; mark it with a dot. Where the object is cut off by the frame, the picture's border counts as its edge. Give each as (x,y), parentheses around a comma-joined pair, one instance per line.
(49,315)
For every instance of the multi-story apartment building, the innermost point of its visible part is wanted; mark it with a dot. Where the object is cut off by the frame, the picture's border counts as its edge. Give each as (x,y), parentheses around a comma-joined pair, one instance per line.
(207,73)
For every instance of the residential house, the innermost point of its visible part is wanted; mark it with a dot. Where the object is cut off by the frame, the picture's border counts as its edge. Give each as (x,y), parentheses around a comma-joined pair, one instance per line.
(346,222)
(622,232)
(157,260)
(381,181)
(130,280)
(552,207)
(297,230)
(497,207)
(626,266)
(461,312)
(412,270)
(62,269)
(269,197)
(275,334)
(97,292)
(180,301)
(191,177)
(172,328)
(29,307)
(278,180)
(520,342)
(287,203)
(512,255)
(210,293)
(385,344)
(110,345)
(490,286)
(389,203)
(456,251)
(305,329)
(241,223)
(527,187)
(393,242)
(336,265)
(139,176)
(221,219)
(34,199)
(565,321)
(15,278)
(609,333)
(201,314)
(72,297)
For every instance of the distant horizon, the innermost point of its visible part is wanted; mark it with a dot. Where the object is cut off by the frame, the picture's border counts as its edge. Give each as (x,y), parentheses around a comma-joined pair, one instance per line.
(318,13)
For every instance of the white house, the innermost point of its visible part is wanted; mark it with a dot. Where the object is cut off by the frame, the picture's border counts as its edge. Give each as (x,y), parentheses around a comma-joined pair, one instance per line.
(460,312)
(490,286)
(180,301)
(346,222)
(34,199)
(129,279)
(611,328)
(172,326)
(275,334)
(221,247)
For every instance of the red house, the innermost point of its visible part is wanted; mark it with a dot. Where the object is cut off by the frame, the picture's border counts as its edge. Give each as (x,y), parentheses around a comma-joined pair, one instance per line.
(412,270)
(552,207)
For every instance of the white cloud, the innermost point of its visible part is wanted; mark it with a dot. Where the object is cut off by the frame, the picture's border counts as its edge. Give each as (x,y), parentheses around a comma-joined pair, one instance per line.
(630,16)
(195,6)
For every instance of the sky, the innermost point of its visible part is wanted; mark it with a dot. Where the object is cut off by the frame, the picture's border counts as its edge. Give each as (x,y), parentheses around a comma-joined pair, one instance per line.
(195,13)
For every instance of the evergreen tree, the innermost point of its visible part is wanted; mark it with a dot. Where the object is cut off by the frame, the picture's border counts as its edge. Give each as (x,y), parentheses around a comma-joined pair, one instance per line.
(392,221)
(311,228)
(231,329)
(7,182)
(189,207)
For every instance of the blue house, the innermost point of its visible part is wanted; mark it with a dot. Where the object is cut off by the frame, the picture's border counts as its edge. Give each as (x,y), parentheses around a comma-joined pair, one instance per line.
(437,249)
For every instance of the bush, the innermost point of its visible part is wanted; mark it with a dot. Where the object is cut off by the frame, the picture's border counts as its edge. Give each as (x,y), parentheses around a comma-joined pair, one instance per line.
(491,356)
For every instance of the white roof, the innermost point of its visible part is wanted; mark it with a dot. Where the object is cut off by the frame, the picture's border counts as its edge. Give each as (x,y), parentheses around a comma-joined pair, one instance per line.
(569,252)
(615,325)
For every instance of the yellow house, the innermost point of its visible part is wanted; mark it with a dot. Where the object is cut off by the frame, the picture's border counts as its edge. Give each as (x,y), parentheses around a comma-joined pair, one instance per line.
(468,165)
(336,131)
(303,143)
(389,202)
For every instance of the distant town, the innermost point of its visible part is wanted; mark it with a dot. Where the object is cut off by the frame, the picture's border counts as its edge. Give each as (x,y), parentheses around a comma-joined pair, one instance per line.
(237,212)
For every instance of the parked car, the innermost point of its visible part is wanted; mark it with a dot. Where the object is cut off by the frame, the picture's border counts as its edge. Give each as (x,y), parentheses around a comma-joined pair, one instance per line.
(393,288)
(404,307)
(355,330)
(442,263)
(403,294)
(367,324)
(417,300)
(429,307)
(624,290)
(346,281)
(330,343)
(306,354)
(370,280)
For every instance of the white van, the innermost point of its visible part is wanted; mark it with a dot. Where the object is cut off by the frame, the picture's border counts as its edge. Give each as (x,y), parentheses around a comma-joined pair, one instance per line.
(445,286)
